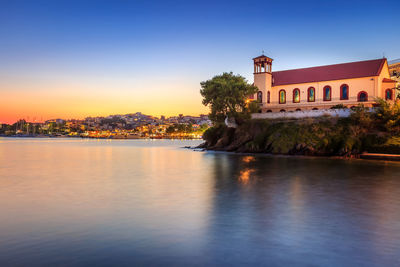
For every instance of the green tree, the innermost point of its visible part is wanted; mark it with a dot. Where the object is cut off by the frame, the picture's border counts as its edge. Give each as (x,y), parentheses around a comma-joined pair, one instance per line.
(226,96)
(189,128)
(203,127)
(170,129)
(254,107)
(388,116)
(52,127)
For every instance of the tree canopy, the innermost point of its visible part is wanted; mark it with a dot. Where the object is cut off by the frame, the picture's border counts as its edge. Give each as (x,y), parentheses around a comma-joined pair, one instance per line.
(226,95)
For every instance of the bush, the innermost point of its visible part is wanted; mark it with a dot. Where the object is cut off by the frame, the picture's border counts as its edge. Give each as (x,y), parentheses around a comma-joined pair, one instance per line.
(387,116)
(254,107)
(385,149)
(338,106)
(212,134)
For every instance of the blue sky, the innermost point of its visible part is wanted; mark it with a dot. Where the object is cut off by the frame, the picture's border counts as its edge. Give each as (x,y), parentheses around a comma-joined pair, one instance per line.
(154,51)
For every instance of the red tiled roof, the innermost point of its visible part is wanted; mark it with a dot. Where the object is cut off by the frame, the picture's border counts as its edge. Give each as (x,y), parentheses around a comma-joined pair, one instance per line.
(262,56)
(386,80)
(330,72)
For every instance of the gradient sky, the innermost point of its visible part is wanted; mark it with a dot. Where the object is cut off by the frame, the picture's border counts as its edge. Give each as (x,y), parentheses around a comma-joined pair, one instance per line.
(72,59)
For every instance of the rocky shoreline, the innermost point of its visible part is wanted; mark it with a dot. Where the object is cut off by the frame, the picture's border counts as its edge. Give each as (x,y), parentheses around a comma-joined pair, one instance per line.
(331,137)
(91,137)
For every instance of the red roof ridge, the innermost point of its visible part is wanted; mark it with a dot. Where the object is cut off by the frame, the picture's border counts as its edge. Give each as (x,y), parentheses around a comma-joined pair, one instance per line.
(262,56)
(386,80)
(382,64)
(341,71)
(369,60)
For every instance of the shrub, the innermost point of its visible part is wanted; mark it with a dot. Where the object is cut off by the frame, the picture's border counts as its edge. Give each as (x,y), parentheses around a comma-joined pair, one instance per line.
(212,134)
(338,106)
(253,107)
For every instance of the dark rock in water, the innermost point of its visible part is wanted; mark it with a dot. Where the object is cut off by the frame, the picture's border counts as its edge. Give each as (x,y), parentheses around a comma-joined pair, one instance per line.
(202,145)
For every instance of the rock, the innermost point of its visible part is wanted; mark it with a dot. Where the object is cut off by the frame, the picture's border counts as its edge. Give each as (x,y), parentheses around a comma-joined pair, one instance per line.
(202,145)
(230,122)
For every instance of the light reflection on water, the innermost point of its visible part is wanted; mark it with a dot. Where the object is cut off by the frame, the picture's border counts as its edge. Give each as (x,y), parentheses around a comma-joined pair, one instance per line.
(137,202)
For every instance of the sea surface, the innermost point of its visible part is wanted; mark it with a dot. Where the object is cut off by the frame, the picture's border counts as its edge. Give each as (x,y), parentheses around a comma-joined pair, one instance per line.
(80,202)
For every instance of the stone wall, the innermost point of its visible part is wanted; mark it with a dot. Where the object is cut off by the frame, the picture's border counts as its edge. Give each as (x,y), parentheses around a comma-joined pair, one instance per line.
(302,114)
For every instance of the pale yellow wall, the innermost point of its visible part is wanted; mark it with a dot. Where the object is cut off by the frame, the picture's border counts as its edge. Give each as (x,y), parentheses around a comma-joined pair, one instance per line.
(383,86)
(263,81)
(366,84)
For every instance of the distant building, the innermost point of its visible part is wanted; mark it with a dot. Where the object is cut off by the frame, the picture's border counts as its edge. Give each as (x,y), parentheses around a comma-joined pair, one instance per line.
(322,87)
(60,121)
(394,69)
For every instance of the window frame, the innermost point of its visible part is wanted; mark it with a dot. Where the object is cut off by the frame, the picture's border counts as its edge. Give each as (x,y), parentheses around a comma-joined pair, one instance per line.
(391,94)
(359,94)
(294,90)
(330,93)
(308,94)
(341,91)
(279,96)
(260,93)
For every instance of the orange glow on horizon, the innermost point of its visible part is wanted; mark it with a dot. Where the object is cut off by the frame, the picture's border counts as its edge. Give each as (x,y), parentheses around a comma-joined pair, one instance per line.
(42,104)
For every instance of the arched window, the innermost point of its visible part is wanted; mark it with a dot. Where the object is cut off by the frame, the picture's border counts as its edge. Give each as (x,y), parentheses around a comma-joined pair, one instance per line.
(315,109)
(296,95)
(311,94)
(327,93)
(282,110)
(388,94)
(259,97)
(344,92)
(268,111)
(299,109)
(362,96)
(268,97)
(282,96)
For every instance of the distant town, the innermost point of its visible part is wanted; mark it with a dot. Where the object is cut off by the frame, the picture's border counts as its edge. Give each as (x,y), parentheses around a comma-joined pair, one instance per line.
(128,126)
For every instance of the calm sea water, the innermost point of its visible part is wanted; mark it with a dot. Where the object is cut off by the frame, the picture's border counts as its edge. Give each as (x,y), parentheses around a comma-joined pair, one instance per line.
(70,202)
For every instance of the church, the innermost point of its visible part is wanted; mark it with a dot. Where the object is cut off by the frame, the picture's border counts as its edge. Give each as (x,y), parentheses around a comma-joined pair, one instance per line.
(321,87)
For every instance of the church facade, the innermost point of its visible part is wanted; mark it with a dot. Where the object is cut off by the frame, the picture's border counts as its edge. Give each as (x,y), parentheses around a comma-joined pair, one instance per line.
(322,87)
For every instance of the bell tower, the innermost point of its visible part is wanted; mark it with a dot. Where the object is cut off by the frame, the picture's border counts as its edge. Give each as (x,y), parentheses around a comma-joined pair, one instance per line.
(262,64)
(263,78)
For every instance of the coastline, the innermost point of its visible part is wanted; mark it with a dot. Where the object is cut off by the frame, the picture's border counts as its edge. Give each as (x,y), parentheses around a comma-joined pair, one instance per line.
(90,137)
(203,148)
(359,136)
(358,157)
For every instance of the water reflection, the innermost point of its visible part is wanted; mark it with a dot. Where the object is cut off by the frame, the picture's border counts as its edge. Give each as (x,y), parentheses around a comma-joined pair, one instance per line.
(74,203)
(245,175)
(300,211)
(248,159)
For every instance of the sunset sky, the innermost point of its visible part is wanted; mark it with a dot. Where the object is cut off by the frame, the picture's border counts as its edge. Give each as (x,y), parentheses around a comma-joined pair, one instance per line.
(73,59)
